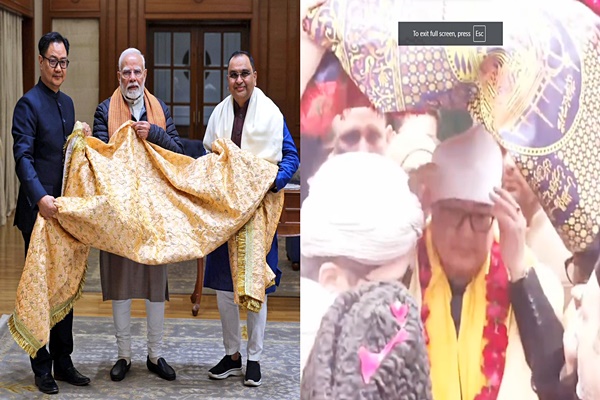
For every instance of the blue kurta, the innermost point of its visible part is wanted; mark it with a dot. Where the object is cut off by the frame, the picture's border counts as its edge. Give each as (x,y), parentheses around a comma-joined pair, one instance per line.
(217,273)
(42,121)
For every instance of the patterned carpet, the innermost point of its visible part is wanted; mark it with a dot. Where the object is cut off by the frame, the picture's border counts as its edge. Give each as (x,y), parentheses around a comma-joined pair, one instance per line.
(182,276)
(192,347)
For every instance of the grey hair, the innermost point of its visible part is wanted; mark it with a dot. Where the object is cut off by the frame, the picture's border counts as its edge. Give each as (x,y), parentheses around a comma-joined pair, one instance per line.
(131,50)
(362,317)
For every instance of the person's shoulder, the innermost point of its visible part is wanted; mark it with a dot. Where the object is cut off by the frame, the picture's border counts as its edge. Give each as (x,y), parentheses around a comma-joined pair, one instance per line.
(162,103)
(32,94)
(32,98)
(65,97)
(222,104)
(266,99)
(103,105)
(34,91)
(225,101)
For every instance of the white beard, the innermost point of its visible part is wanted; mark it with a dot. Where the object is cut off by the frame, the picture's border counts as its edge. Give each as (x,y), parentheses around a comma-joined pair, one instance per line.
(131,95)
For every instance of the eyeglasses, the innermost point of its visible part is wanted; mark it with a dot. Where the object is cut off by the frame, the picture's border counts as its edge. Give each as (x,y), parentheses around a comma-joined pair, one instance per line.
(454,217)
(127,73)
(53,62)
(244,74)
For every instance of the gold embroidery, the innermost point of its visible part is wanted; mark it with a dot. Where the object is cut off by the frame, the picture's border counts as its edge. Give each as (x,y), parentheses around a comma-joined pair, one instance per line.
(140,201)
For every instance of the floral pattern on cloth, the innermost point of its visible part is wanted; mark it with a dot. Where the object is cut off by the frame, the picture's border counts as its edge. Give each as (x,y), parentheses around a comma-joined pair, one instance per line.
(135,199)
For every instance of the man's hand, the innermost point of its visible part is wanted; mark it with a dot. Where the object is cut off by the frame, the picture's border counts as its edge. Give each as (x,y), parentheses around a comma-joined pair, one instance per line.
(87,131)
(513,226)
(142,128)
(47,207)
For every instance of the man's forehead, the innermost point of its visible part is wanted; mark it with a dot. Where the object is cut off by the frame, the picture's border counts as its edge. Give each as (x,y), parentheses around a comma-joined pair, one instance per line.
(239,62)
(132,61)
(358,118)
(56,49)
(466,205)
(361,113)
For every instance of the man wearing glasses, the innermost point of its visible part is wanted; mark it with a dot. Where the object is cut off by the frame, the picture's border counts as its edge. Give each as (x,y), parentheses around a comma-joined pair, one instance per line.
(491,311)
(123,279)
(43,119)
(254,123)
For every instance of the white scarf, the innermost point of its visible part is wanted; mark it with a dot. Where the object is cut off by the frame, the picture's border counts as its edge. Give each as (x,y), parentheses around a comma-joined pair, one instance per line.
(262,134)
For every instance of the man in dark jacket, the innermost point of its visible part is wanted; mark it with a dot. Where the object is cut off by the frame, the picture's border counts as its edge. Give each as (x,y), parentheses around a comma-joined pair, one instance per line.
(43,119)
(123,279)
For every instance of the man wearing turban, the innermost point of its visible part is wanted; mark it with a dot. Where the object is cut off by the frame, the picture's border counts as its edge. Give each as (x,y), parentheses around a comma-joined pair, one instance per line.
(360,222)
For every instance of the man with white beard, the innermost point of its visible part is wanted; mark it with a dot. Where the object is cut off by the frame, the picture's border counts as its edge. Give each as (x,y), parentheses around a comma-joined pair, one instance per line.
(123,279)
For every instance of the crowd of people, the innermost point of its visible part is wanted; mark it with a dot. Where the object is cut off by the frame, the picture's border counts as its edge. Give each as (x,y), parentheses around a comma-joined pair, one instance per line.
(505,309)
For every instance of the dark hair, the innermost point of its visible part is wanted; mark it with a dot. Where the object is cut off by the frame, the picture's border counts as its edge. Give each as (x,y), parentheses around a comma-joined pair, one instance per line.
(51,37)
(362,318)
(587,260)
(242,53)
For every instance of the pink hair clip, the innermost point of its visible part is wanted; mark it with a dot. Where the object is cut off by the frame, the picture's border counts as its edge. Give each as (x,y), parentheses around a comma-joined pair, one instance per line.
(369,361)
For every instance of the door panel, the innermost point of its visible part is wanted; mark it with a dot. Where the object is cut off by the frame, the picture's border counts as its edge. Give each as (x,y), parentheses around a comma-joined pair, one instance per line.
(187,69)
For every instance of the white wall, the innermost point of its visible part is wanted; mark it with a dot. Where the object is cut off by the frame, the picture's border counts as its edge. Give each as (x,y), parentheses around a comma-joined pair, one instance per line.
(82,82)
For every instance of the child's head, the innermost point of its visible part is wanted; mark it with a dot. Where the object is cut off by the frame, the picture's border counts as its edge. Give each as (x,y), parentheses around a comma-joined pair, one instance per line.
(370,346)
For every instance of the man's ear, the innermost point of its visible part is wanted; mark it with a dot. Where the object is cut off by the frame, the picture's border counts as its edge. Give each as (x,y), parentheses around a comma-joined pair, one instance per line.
(422,177)
(332,277)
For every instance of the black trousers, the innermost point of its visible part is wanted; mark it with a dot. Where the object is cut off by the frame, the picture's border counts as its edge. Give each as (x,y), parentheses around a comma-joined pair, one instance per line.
(60,344)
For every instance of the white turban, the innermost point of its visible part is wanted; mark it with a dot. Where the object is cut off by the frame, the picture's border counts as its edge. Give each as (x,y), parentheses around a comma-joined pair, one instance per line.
(360,207)
(468,167)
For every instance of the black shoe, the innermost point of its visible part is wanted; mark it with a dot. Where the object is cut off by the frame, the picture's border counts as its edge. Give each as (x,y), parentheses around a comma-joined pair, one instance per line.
(46,384)
(225,368)
(118,371)
(252,377)
(72,376)
(161,368)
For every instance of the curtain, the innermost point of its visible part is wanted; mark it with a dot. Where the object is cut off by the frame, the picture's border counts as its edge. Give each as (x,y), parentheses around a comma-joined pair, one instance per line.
(11,89)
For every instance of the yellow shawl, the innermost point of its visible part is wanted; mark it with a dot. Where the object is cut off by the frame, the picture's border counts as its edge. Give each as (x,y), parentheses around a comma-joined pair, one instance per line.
(456,362)
(161,207)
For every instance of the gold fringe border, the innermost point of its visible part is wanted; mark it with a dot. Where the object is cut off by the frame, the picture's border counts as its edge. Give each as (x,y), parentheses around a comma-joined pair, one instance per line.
(75,142)
(25,339)
(244,241)
(242,250)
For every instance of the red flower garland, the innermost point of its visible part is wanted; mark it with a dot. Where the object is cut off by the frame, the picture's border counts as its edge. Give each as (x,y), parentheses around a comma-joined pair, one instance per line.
(495,331)
(594,5)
